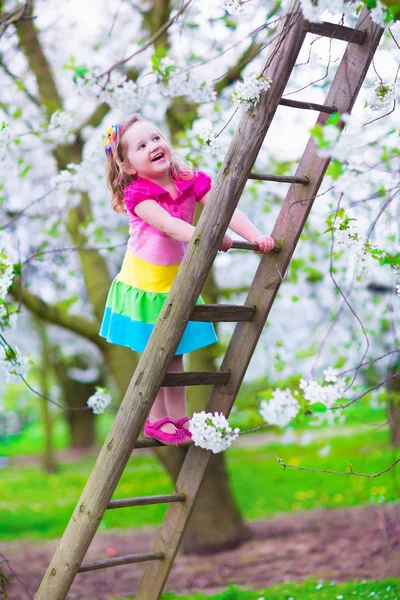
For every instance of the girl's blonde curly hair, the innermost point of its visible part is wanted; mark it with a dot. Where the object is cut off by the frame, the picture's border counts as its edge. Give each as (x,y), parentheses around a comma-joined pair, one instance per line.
(118,179)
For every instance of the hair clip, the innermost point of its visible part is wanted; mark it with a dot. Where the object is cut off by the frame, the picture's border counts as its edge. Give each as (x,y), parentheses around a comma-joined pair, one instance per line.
(111,139)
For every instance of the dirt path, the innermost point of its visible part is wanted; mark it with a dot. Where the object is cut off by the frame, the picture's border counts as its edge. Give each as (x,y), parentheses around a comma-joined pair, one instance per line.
(338,545)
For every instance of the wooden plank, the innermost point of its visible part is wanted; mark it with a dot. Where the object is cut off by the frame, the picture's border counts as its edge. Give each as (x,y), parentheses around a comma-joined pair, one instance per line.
(146,500)
(269,276)
(196,378)
(308,106)
(278,178)
(120,560)
(222,313)
(337,32)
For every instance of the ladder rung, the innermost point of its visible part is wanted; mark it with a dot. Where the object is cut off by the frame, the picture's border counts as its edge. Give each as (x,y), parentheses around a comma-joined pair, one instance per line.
(148,444)
(281,178)
(218,313)
(338,32)
(196,378)
(239,245)
(308,105)
(120,560)
(145,500)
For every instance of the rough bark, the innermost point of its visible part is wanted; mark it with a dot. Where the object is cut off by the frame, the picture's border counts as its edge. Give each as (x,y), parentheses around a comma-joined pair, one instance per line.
(393,407)
(74,395)
(49,458)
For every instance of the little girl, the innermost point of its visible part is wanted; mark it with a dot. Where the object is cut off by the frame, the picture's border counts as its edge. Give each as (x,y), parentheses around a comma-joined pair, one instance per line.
(158,190)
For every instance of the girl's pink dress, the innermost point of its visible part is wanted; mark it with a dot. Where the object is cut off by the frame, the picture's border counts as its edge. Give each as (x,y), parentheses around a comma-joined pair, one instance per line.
(151,262)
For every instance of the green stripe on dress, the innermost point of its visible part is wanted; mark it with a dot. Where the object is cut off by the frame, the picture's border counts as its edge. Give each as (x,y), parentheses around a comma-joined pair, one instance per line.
(137,304)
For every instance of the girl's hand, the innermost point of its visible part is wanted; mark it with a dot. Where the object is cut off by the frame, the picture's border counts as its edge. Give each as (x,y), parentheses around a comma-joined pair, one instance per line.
(265,244)
(226,243)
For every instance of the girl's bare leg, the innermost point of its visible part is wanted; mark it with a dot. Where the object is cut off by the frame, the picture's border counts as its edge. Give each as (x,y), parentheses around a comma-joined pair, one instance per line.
(175,397)
(159,411)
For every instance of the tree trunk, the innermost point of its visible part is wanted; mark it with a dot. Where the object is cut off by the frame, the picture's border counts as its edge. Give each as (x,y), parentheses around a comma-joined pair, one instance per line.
(393,406)
(48,458)
(75,395)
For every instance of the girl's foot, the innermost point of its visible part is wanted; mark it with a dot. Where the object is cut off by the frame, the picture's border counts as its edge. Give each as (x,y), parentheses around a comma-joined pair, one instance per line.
(180,436)
(183,423)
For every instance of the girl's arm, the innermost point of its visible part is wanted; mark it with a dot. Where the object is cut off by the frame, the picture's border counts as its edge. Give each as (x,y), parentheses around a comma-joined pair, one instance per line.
(241,225)
(153,214)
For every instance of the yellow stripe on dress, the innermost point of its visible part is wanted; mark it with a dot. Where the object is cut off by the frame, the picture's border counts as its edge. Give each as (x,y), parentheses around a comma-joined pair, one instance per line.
(147,277)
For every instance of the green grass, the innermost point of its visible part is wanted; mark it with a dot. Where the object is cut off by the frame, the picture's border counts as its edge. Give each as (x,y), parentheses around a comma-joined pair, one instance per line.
(312,589)
(244,416)
(37,505)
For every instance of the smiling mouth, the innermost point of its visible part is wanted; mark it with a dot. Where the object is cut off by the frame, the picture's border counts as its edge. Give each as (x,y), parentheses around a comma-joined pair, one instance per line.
(159,156)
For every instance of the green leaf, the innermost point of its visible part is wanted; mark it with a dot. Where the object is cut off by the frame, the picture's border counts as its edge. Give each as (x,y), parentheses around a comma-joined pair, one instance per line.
(333,119)
(17,114)
(25,170)
(65,304)
(318,407)
(335,169)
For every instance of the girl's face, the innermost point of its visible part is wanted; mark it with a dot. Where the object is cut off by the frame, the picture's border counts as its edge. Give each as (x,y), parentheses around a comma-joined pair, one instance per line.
(148,154)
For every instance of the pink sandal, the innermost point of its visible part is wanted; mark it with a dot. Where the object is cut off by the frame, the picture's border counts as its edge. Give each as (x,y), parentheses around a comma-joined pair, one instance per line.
(152,430)
(180,424)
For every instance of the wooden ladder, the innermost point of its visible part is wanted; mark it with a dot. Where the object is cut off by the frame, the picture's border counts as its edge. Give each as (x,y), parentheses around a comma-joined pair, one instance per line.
(151,372)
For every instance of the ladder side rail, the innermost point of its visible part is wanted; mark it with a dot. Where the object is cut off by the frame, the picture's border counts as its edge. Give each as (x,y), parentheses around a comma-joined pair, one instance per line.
(268,278)
(156,358)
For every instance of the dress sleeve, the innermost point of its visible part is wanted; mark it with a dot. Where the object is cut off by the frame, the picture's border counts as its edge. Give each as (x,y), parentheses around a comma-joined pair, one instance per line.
(134,195)
(202,184)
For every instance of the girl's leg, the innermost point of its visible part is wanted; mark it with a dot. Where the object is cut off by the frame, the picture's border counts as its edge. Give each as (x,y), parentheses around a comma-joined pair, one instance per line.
(159,411)
(175,397)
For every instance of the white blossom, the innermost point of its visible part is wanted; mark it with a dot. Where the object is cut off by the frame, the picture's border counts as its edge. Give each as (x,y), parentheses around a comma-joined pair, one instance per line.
(8,257)
(59,127)
(211,143)
(327,394)
(14,364)
(5,137)
(233,7)
(330,375)
(380,96)
(281,409)
(189,85)
(99,400)
(212,431)
(248,91)
(398,289)
(378,14)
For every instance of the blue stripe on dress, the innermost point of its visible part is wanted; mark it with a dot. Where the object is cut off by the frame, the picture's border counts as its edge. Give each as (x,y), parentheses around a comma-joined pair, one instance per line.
(121,330)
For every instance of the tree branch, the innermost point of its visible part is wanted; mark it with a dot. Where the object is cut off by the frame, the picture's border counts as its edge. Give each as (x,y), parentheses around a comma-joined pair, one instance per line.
(372,475)
(53,314)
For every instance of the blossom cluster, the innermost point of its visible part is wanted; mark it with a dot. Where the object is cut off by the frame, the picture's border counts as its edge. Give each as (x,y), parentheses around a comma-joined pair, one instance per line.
(380,96)
(8,258)
(233,7)
(314,11)
(115,89)
(247,92)
(281,409)
(187,84)
(60,125)
(212,431)
(210,142)
(14,364)
(325,394)
(99,400)
(5,138)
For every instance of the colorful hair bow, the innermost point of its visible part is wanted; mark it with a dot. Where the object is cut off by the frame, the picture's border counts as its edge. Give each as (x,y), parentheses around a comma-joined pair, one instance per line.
(111,139)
